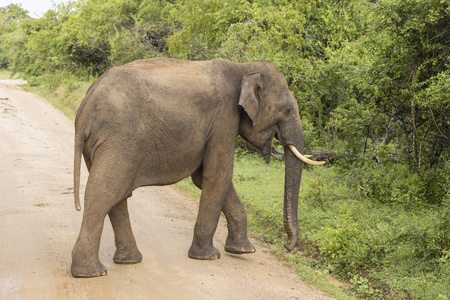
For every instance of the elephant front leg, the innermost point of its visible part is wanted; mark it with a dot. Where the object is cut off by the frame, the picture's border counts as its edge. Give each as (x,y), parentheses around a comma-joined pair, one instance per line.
(237,240)
(127,251)
(205,227)
(216,176)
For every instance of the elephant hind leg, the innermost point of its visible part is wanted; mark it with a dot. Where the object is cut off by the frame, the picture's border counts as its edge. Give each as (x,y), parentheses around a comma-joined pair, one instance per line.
(127,251)
(109,182)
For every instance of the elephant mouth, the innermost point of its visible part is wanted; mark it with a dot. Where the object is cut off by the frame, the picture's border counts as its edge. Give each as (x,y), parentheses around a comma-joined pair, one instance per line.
(266,149)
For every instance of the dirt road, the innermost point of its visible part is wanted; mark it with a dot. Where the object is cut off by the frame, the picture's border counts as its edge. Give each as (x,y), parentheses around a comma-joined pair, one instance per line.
(39,226)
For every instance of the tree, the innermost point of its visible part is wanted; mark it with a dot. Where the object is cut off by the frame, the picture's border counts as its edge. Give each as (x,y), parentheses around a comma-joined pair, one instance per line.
(402,85)
(10,37)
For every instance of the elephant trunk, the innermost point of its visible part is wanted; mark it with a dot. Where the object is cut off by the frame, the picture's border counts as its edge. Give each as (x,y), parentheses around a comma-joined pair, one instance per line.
(293,173)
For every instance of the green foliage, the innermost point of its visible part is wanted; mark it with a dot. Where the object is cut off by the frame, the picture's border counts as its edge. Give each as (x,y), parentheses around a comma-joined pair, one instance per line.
(410,59)
(76,37)
(135,29)
(364,289)
(11,37)
(371,78)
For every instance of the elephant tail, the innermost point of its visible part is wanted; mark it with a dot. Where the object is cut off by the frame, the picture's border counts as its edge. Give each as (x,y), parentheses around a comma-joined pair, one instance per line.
(79,142)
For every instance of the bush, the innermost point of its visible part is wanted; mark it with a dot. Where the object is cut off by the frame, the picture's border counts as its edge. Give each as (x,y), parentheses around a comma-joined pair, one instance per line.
(34,81)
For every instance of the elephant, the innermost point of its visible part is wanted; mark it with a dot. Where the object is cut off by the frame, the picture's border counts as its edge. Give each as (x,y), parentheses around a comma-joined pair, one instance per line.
(156,121)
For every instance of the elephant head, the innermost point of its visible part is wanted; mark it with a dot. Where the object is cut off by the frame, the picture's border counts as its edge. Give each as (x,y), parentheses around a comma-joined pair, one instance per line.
(272,111)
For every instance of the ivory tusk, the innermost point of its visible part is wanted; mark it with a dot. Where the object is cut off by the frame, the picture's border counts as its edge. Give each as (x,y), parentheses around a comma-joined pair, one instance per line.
(307,156)
(303,158)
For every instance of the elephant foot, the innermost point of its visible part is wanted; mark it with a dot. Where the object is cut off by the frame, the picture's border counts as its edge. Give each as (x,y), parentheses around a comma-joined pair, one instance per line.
(239,247)
(203,253)
(127,256)
(88,270)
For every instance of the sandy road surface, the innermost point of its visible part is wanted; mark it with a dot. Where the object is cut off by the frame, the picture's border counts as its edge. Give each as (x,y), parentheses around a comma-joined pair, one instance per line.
(39,226)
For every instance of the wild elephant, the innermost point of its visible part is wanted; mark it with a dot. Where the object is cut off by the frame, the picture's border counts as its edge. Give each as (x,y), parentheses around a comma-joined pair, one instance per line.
(157,121)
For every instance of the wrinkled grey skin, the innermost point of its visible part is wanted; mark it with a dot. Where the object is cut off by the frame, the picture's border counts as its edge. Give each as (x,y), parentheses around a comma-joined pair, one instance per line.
(157,121)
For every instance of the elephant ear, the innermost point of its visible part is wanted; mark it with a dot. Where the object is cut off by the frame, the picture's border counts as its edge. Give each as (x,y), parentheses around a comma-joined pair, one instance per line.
(250,96)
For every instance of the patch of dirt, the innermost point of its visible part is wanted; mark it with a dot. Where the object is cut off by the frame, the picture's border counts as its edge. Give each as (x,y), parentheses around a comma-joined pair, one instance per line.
(12,82)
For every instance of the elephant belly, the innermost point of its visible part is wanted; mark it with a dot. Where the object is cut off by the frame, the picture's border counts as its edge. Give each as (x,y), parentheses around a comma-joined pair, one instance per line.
(168,167)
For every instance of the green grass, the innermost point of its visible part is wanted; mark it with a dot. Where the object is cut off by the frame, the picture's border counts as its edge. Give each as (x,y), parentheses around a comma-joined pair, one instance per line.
(4,74)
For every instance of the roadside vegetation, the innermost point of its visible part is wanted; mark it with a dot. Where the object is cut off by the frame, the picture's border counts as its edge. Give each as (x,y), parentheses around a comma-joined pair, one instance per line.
(372,82)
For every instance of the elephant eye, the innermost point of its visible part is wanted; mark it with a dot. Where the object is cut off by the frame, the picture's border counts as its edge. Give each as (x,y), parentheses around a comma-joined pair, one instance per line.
(287,111)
